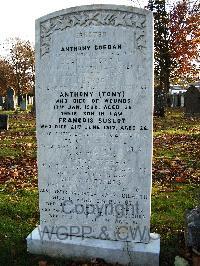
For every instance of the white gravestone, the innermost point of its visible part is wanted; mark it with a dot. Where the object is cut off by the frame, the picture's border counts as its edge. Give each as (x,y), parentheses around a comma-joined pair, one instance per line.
(23,104)
(94,90)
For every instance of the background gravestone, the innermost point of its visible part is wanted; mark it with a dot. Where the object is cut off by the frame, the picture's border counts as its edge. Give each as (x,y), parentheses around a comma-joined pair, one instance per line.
(10,99)
(23,103)
(192,101)
(192,228)
(4,122)
(94,90)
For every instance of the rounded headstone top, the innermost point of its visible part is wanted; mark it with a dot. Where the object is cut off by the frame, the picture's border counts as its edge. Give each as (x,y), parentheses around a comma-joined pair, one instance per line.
(85,16)
(124,6)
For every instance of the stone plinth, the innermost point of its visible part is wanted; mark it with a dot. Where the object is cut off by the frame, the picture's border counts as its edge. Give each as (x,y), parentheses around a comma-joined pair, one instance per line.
(125,253)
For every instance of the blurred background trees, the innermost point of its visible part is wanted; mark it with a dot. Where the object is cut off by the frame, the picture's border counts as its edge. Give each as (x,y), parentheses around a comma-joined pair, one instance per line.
(184,41)
(17,68)
(6,75)
(176,41)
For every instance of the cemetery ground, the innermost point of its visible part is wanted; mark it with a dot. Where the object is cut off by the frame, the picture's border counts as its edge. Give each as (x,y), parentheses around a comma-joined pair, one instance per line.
(176,179)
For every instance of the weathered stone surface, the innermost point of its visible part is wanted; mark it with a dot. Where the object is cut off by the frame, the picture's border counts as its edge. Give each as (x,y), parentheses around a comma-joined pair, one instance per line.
(94,90)
(4,122)
(94,119)
(192,230)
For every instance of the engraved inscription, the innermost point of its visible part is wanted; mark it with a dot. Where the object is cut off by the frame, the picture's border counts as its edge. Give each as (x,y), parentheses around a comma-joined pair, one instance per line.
(93,18)
(94,122)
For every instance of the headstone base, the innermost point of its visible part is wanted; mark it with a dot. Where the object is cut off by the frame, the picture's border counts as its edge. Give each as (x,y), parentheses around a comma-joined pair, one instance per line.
(111,251)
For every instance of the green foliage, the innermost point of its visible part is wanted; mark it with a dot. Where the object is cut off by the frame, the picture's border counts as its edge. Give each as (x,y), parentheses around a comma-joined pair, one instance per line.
(167,219)
(19,215)
(20,139)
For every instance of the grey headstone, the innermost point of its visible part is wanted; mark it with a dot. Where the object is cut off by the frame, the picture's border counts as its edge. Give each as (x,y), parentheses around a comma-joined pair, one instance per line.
(10,99)
(4,122)
(23,104)
(192,230)
(192,101)
(94,91)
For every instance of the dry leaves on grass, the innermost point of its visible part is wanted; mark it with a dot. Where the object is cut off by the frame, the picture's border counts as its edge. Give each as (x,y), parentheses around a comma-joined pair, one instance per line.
(183,168)
(21,173)
(92,262)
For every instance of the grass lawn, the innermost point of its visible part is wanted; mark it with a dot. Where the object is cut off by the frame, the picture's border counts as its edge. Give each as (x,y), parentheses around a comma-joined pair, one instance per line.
(176,179)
